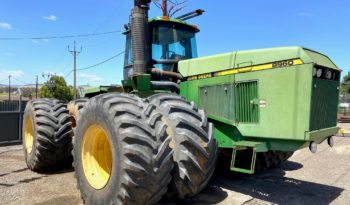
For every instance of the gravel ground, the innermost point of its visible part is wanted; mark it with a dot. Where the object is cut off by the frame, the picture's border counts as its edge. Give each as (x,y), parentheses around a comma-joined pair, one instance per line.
(321,178)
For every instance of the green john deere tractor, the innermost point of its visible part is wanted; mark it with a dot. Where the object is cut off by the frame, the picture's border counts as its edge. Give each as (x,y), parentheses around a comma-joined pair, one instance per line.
(161,131)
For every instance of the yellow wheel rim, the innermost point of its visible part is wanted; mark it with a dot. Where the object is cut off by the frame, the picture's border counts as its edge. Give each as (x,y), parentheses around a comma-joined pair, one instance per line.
(29,134)
(97,157)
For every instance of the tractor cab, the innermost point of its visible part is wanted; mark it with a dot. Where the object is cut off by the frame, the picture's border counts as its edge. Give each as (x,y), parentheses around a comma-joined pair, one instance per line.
(168,42)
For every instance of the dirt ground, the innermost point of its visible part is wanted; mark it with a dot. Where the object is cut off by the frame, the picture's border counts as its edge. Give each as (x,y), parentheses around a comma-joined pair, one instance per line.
(321,178)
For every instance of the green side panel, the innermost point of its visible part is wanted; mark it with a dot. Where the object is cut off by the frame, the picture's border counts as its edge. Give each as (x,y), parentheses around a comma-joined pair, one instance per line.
(209,96)
(238,101)
(324,104)
(250,58)
(286,93)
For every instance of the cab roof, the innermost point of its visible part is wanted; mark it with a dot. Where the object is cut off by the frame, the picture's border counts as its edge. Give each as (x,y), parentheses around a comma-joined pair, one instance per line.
(170,20)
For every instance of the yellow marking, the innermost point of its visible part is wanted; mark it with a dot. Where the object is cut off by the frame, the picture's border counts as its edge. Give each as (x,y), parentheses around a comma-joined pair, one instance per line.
(279,64)
(227,72)
(298,62)
(203,76)
(192,78)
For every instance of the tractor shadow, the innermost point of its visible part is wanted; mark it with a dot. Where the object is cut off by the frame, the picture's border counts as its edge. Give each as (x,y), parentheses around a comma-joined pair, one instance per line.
(22,181)
(271,186)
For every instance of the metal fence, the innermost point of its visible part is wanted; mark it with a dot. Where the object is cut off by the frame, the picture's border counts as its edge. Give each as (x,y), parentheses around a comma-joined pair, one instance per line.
(11,115)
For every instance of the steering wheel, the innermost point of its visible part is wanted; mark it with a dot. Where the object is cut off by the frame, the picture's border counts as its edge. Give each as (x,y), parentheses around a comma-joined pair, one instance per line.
(171,53)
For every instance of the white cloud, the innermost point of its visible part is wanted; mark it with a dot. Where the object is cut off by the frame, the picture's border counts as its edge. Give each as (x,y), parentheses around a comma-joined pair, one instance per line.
(50,18)
(5,26)
(9,54)
(90,77)
(40,40)
(51,73)
(14,73)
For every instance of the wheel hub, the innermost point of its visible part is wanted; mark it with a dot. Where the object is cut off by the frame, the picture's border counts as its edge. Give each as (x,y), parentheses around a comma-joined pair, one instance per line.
(29,135)
(97,156)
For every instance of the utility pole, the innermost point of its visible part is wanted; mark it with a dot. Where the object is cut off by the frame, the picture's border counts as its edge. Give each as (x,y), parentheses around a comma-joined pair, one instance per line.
(36,87)
(75,53)
(165,7)
(9,87)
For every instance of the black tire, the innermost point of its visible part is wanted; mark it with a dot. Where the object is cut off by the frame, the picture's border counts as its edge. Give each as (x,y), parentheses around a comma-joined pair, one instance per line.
(139,148)
(74,108)
(195,148)
(52,134)
(270,159)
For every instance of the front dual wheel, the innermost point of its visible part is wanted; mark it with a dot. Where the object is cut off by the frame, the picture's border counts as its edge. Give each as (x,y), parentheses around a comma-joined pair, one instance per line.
(46,134)
(121,151)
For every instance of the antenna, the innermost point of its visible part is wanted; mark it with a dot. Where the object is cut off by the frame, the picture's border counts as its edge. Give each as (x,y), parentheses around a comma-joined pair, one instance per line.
(191,15)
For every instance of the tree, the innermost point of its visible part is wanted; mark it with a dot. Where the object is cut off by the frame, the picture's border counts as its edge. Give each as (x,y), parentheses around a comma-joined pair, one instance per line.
(173,5)
(345,85)
(27,91)
(56,87)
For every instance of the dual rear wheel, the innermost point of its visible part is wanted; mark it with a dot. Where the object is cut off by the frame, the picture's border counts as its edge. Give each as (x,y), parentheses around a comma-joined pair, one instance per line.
(161,143)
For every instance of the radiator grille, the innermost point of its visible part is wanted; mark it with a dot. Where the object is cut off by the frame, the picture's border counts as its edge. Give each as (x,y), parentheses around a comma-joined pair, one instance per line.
(324,104)
(245,109)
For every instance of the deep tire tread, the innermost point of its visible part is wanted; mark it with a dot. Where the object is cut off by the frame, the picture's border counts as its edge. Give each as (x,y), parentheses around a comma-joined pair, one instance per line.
(144,146)
(270,159)
(52,134)
(195,148)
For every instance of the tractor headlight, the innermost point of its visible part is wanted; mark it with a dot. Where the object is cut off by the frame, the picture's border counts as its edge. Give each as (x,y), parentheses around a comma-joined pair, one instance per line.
(328,74)
(315,72)
(319,72)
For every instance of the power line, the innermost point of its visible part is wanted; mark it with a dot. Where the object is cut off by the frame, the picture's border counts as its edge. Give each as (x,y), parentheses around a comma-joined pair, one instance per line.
(59,37)
(98,64)
(21,81)
(102,62)
(109,18)
(68,74)
(3,80)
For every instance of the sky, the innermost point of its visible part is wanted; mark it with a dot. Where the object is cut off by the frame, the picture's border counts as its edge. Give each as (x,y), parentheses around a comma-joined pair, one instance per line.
(322,25)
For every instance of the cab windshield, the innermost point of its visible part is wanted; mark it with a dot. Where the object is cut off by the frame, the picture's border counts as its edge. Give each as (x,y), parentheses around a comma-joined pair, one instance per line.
(172,42)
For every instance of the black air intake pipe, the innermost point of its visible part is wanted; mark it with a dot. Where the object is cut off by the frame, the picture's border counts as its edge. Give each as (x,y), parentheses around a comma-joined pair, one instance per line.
(139,25)
(165,85)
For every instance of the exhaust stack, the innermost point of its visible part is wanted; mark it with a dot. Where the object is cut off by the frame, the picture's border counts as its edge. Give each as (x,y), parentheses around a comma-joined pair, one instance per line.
(139,25)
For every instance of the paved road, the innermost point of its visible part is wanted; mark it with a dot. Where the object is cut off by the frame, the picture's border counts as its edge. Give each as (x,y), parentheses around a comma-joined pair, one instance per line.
(322,178)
